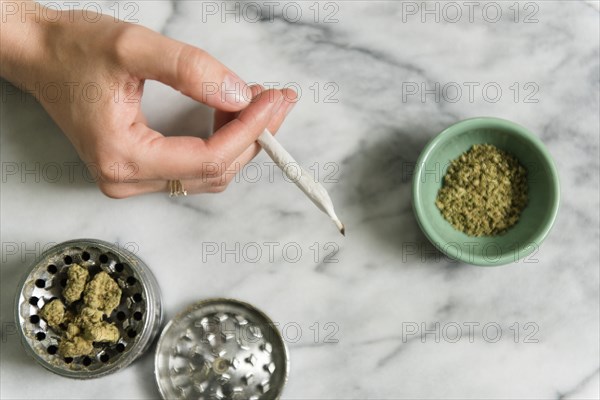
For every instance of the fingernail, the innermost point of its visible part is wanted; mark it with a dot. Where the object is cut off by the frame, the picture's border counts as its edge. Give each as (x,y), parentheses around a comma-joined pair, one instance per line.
(235,91)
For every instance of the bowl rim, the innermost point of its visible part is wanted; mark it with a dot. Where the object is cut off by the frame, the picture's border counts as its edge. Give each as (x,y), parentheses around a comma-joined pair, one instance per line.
(459,128)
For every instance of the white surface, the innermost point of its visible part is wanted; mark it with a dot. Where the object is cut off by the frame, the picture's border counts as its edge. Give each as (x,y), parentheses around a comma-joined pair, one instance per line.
(374,137)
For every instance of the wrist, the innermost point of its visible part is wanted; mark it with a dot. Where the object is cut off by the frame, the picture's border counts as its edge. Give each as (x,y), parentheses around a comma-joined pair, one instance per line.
(22,39)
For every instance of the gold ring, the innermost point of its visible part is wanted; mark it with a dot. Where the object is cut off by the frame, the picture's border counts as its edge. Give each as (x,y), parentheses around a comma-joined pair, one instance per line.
(176,188)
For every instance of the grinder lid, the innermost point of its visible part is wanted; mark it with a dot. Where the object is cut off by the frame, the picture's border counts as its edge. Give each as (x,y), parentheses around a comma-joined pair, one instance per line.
(221,349)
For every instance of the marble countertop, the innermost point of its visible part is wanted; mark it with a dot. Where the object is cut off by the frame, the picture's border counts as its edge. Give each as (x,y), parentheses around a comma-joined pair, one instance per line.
(373,314)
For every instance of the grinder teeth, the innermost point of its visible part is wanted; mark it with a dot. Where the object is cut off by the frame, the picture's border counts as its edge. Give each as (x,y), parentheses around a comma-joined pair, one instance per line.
(221,349)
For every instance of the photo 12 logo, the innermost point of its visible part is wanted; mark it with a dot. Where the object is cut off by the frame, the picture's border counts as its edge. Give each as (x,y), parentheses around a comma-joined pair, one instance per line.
(53,11)
(290,332)
(453,332)
(9,330)
(453,12)
(254,172)
(324,12)
(256,252)
(454,92)
(29,252)
(68,172)
(490,251)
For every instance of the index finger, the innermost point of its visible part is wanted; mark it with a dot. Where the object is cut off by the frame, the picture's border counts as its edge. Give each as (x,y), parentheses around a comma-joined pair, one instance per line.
(191,70)
(184,157)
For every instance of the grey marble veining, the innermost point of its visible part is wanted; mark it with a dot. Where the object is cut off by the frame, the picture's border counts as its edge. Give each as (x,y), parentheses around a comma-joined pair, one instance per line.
(374,314)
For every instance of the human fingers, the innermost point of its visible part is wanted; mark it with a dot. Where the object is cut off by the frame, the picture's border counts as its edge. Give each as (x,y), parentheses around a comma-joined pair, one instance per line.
(191,70)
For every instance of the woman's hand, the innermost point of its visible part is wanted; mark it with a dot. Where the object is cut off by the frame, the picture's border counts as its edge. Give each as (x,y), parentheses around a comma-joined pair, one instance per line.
(100,68)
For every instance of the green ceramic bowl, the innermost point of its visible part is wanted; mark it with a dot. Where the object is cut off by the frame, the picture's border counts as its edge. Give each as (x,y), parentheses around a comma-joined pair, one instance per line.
(521,240)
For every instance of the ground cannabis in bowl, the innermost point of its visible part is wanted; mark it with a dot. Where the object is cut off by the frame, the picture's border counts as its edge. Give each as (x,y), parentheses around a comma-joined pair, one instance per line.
(81,320)
(483,192)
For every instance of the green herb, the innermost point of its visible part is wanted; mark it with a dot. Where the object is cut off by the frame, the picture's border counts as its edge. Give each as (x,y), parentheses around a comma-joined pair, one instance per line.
(484,191)
(85,323)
